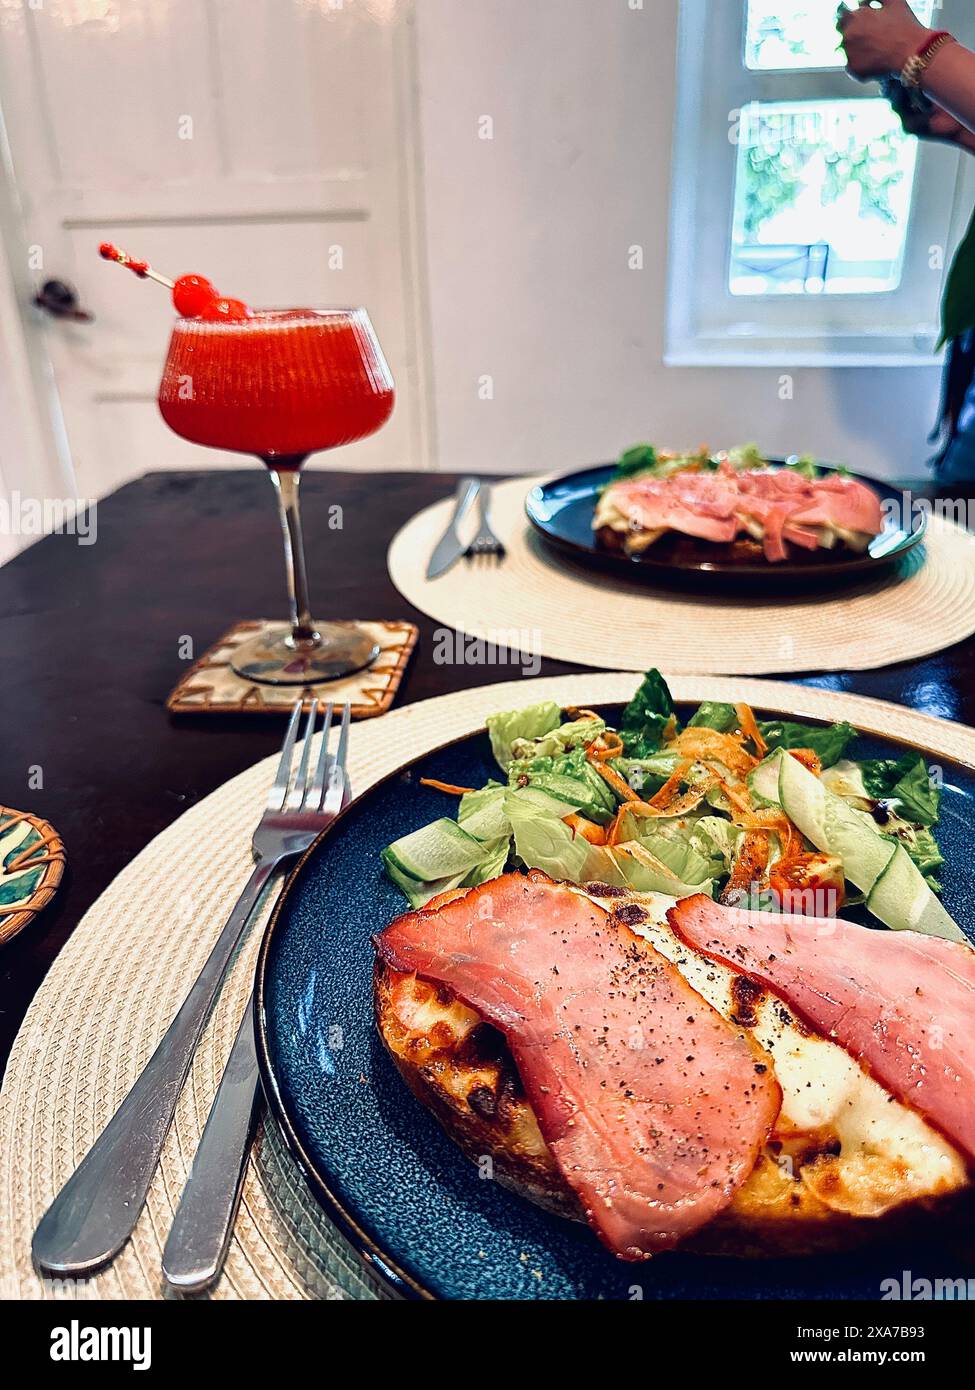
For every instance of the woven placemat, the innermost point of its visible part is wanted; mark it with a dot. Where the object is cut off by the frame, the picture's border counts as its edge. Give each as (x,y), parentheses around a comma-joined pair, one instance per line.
(112,991)
(212,686)
(541,602)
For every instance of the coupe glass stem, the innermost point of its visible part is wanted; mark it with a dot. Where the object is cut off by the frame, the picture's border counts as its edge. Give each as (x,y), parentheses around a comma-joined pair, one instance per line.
(286,482)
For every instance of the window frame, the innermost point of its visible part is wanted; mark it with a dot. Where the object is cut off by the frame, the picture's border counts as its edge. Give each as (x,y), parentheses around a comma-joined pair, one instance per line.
(707,324)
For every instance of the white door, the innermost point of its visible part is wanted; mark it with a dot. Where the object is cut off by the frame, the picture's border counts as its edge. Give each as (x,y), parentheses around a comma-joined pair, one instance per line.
(266,144)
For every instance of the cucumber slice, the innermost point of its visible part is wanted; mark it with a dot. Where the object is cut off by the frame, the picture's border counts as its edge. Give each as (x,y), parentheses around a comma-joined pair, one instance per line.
(902,899)
(436,851)
(490,821)
(763,782)
(552,795)
(832,825)
(493,866)
(417,894)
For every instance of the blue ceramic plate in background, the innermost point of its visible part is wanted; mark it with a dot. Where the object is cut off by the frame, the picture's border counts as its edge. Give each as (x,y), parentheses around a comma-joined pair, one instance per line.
(561,511)
(410,1202)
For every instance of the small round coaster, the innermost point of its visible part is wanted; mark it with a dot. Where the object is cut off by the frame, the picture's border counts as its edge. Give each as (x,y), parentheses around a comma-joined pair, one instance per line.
(32,861)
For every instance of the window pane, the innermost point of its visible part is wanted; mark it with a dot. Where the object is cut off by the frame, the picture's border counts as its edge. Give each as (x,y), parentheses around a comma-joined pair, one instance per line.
(822,198)
(801,33)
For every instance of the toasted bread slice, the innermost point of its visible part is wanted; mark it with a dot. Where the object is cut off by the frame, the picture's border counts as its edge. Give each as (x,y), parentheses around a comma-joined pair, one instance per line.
(846,1162)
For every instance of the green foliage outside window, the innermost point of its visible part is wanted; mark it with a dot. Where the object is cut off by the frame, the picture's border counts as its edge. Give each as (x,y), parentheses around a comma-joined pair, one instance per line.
(775,175)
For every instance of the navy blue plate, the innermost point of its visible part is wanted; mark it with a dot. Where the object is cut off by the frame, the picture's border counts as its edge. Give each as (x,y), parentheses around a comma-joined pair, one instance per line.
(562,510)
(410,1202)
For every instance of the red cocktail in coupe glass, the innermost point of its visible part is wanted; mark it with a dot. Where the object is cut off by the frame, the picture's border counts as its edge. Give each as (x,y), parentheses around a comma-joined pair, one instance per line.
(282,384)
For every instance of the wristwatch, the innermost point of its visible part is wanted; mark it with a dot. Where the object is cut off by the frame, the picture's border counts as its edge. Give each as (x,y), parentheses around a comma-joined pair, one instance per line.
(917,65)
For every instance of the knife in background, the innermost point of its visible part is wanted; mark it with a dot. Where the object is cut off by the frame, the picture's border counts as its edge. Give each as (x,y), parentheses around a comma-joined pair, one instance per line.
(450,547)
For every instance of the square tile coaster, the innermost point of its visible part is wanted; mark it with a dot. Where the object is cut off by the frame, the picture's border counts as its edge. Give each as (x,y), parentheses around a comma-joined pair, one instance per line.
(212,686)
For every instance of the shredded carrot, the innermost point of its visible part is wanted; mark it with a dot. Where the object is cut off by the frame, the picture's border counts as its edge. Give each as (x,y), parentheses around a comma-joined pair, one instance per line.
(751,863)
(620,786)
(445,787)
(613,833)
(688,802)
(737,795)
(749,726)
(771,820)
(708,744)
(595,834)
(609,746)
(669,789)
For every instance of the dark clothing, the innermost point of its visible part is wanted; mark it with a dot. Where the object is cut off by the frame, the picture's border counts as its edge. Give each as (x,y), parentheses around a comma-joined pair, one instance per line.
(955,430)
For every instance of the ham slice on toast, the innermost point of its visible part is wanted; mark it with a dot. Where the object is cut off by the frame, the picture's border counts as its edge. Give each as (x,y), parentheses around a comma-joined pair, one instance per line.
(777,506)
(654,1106)
(901,1004)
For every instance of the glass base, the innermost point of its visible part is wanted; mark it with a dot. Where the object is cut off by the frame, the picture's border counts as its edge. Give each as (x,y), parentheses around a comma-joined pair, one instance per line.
(274,658)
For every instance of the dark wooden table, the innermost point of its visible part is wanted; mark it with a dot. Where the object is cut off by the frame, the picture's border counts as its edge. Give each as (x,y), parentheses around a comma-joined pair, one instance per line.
(91,641)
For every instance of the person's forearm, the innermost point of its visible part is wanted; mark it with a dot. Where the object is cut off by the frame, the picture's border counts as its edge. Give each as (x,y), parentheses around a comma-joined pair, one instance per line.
(950,81)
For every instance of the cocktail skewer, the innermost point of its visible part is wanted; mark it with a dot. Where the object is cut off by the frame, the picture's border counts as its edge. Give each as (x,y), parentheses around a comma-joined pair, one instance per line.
(193,295)
(143,269)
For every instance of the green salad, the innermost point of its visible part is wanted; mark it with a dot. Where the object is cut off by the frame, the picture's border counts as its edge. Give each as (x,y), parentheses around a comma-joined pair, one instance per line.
(773,815)
(647,461)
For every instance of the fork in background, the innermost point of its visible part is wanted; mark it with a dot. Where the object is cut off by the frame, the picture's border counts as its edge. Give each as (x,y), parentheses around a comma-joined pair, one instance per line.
(485,546)
(97,1209)
(199,1238)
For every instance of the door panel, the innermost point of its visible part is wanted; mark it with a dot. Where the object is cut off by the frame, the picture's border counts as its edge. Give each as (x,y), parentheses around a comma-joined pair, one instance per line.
(263,145)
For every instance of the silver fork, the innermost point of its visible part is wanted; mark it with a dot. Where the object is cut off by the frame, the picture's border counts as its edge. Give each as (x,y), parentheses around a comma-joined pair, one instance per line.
(199,1238)
(485,544)
(96,1211)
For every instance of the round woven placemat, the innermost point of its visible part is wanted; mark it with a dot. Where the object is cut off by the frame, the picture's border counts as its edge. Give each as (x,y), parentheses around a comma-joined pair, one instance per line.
(564,610)
(113,990)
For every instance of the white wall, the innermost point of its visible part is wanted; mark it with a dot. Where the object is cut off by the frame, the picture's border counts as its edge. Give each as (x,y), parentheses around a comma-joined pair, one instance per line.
(527,249)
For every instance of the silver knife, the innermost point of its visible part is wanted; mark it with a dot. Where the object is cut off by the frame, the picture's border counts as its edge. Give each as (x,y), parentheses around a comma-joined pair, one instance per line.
(450,547)
(201,1231)
(200,1234)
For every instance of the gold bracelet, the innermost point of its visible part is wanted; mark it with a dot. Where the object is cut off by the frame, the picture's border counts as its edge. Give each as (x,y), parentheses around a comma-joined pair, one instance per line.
(917,65)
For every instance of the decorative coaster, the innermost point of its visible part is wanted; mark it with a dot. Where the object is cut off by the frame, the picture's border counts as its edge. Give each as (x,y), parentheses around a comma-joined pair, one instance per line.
(32,861)
(212,686)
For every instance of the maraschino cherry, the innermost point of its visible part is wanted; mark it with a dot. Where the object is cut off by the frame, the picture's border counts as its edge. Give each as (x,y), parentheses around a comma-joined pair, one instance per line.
(193,295)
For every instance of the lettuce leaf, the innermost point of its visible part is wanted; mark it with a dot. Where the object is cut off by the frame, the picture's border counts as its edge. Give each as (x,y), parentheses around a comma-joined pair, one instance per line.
(632,463)
(493,866)
(547,843)
(747,456)
(481,813)
(531,723)
(805,466)
(679,854)
(646,716)
(646,775)
(908,781)
(473,802)
(596,798)
(829,743)
(926,855)
(715,715)
(716,840)
(578,733)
